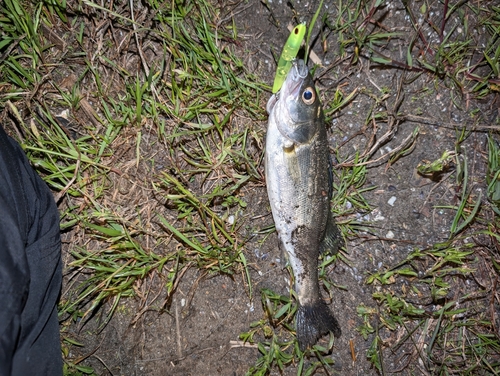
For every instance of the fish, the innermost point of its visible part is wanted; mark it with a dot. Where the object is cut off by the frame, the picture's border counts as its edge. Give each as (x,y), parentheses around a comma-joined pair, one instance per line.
(299,181)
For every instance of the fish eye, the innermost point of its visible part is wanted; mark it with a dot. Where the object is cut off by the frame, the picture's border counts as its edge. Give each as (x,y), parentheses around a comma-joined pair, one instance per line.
(308,95)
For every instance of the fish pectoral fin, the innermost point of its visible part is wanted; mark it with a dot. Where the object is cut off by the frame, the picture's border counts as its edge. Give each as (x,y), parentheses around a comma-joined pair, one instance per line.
(332,240)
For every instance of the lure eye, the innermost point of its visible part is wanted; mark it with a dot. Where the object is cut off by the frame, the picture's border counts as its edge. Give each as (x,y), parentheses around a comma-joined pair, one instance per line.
(308,95)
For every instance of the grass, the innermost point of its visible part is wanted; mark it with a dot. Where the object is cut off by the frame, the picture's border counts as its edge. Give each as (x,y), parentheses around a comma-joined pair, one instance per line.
(181,104)
(278,346)
(148,126)
(443,43)
(438,319)
(442,314)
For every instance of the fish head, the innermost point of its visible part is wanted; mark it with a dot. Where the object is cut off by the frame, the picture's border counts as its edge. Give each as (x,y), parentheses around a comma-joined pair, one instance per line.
(296,108)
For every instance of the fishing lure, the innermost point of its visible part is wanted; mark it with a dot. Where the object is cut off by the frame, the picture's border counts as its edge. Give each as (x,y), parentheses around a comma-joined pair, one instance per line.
(290,50)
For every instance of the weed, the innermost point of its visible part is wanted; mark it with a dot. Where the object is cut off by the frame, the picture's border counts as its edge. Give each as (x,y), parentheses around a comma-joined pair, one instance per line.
(493,174)
(182,101)
(277,344)
(438,46)
(428,301)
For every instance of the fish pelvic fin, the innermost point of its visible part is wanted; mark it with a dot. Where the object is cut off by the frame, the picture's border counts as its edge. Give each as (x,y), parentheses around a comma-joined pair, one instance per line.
(332,240)
(313,321)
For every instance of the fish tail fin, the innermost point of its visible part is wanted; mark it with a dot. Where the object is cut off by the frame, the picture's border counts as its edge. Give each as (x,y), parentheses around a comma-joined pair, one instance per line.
(313,321)
(332,240)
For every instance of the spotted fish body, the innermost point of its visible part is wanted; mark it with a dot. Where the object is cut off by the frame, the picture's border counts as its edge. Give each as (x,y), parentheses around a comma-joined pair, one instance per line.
(299,185)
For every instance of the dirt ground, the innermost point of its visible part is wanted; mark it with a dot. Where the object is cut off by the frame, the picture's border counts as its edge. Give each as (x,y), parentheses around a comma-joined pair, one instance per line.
(197,333)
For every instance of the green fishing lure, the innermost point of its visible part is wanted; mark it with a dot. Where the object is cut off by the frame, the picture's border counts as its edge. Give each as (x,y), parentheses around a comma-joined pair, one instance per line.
(289,53)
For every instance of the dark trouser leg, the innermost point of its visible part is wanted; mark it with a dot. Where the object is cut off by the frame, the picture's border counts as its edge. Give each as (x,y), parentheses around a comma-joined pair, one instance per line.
(30,268)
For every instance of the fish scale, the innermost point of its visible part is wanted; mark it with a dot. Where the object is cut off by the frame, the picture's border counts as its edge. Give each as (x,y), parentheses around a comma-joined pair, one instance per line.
(299,186)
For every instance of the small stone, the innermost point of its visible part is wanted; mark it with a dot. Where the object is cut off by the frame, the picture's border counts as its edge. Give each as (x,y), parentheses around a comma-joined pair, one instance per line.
(392,200)
(377,215)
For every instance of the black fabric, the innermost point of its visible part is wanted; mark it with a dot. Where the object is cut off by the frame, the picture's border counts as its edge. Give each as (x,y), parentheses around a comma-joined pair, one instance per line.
(30,268)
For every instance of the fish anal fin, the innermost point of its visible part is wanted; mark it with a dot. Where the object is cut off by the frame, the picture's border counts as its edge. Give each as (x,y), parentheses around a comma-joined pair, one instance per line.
(332,240)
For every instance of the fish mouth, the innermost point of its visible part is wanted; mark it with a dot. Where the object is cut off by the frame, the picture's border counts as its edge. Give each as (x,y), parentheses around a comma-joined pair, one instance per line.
(291,86)
(295,77)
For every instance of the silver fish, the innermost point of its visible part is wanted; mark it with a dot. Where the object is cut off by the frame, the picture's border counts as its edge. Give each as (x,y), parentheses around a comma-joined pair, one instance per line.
(299,185)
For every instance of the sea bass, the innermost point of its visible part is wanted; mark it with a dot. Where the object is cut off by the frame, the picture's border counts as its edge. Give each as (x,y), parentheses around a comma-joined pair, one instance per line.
(299,185)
